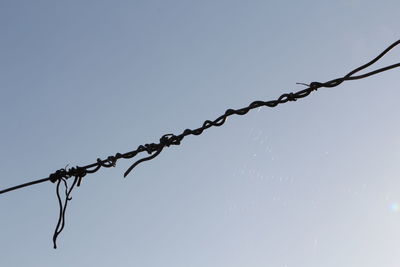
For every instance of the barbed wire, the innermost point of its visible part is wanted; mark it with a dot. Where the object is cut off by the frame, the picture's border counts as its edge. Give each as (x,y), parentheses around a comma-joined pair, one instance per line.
(167,140)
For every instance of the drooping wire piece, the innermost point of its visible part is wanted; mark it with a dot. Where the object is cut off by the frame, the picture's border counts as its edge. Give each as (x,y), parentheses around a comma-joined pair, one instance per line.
(63,207)
(61,176)
(154,149)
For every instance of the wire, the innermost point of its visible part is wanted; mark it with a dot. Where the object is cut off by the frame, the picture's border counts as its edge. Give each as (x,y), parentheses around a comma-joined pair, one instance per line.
(63,207)
(154,149)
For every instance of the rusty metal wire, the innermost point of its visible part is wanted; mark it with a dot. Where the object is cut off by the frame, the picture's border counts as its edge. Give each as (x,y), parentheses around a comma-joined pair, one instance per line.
(154,149)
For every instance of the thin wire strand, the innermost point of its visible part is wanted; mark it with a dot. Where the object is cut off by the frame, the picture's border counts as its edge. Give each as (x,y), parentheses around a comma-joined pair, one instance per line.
(154,149)
(62,206)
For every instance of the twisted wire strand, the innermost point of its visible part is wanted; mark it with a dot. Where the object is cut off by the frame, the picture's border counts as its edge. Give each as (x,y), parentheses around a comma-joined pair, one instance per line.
(154,149)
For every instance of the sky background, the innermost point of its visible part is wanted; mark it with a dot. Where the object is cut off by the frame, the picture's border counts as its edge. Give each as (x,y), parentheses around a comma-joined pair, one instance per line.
(309,183)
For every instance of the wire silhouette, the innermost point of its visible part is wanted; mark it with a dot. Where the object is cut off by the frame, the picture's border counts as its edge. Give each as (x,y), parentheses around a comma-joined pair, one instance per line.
(154,149)
(63,207)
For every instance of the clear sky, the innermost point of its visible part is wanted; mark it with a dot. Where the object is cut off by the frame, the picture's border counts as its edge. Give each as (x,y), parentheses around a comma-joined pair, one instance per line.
(310,183)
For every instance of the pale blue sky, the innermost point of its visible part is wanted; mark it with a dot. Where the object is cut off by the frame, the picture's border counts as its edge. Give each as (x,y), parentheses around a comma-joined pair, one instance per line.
(310,183)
